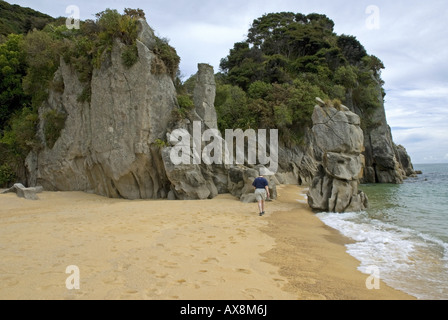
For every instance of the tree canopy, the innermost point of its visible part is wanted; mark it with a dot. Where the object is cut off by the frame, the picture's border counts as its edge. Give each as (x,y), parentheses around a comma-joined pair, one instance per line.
(286,61)
(20,20)
(30,56)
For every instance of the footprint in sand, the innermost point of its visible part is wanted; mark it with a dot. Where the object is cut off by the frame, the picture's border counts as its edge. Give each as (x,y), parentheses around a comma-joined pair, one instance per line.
(111,280)
(170,265)
(241,270)
(208,260)
(251,292)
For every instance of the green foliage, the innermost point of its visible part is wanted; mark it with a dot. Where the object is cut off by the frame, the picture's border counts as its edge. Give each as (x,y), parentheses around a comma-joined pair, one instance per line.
(7,175)
(186,87)
(12,71)
(259,90)
(135,13)
(20,136)
(167,60)
(185,106)
(42,57)
(346,76)
(286,62)
(160,143)
(185,102)
(352,49)
(54,122)
(85,95)
(130,55)
(232,109)
(20,20)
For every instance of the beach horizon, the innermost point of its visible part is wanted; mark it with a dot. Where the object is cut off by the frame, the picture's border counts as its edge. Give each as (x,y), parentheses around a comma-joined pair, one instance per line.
(218,249)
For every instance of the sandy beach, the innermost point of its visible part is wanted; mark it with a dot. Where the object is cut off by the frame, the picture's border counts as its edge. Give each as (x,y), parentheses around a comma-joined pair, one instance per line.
(216,249)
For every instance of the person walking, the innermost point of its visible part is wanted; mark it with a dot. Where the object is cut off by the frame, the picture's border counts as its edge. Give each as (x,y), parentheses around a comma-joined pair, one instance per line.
(261,186)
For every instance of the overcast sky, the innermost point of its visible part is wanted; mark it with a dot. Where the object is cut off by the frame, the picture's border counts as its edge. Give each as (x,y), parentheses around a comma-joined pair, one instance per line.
(410,37)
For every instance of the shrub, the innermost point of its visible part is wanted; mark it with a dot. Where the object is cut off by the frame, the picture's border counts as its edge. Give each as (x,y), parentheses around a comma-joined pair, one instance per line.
(167,60)
(20,137)
(7,175)
(160,143)
(43,52)
(185,102)
(130,55)
(185,106)
(54,123)
(85,95)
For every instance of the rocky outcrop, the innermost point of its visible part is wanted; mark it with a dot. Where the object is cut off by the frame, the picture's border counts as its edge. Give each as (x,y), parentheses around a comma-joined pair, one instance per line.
(204,95)
(404,160)
(108,144)
(22,192)
(338,140)
(117,144)
(382,163)
(191,180)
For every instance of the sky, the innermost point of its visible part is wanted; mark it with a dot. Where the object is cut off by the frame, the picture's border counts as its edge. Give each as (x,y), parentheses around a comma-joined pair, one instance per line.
(410,37)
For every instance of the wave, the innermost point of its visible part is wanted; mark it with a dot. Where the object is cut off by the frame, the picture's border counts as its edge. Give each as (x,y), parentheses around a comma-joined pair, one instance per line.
(408,260)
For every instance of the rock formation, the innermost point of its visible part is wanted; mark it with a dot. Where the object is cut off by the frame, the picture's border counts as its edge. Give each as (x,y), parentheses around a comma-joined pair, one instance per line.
(118,143)
(107,145)
(204,96)
(22,192)
(338,140)
(199,180)
(382,163)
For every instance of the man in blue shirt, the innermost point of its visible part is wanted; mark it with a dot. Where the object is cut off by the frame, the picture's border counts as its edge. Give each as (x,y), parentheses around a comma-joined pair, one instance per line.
(261,186)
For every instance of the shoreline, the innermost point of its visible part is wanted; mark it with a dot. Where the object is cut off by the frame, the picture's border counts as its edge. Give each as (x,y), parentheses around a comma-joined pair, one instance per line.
(216,249)
(313,256)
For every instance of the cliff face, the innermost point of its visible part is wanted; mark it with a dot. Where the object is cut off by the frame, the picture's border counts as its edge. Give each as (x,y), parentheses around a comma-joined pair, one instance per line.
(385,162)
(107,145)
(118,144)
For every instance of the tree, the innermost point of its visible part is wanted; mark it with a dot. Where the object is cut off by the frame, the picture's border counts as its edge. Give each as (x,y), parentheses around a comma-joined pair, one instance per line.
(42,57)
(352,49)
(135,13)
(12,71)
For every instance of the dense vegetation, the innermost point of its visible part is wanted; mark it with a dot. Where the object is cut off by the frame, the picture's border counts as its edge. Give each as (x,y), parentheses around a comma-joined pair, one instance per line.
(19,20)
(29,60)
(271,79)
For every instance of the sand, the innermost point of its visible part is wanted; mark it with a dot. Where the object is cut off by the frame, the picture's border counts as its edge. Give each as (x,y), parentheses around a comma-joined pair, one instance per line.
(216,249)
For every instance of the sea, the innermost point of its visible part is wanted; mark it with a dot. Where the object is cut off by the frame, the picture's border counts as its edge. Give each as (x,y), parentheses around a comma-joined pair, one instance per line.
(403,237)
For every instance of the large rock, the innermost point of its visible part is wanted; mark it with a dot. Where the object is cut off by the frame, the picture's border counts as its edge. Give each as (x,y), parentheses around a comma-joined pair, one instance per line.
(190,179)
(241,179)
(204,95)
(23,192)
(405,161)
(339,139)
(108,145)
(337,131)
(382,163)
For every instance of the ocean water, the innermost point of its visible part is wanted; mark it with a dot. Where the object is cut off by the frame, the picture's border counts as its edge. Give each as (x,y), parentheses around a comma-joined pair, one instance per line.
(404,233)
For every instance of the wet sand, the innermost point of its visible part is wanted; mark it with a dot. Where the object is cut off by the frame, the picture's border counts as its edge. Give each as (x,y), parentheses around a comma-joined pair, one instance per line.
(216,249)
